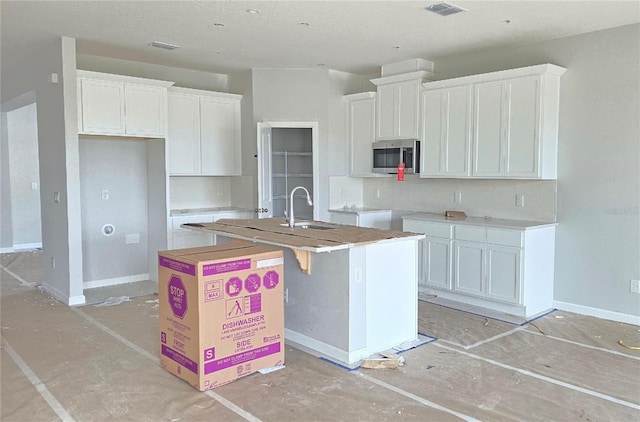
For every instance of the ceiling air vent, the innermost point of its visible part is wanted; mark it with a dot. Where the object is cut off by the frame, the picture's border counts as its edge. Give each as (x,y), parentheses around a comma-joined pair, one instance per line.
(445,9)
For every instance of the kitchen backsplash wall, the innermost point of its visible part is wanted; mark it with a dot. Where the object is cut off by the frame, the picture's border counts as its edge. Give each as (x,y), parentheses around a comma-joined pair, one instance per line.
(345,191)
(200,192)
(482,198)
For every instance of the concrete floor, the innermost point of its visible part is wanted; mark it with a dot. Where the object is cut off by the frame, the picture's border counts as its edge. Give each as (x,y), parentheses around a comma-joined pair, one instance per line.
(102,363)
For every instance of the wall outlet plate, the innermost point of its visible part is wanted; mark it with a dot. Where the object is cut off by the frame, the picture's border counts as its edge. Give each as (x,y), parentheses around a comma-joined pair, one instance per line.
(519,200)
(634,286)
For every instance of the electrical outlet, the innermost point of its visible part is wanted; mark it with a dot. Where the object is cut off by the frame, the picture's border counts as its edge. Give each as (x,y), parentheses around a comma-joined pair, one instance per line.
(634,286)
(34,185)
(105,194)
(56,197)
(357,275)
(286,295)
(378,193)
(53,263)
(519,200)
(457,197)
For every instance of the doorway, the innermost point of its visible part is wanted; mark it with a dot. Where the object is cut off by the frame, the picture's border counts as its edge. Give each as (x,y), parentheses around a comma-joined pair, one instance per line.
(287,158)
(21,210)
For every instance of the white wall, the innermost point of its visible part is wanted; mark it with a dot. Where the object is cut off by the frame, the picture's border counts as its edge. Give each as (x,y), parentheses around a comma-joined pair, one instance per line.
(307,95)
(118,166)
(480,198)
(25,201)
(58,155)
(200,192)
(6,235)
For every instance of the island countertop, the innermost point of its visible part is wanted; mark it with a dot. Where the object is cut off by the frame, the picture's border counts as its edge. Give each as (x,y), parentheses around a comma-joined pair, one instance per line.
(498,223)
(326,237)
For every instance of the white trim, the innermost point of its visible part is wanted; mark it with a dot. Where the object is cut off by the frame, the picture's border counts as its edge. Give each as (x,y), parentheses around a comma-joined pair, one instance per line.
(597,312)
(115,281)
(315,148)
(418,75)
(27,246)
(62,297)
(322,349)
(7,250)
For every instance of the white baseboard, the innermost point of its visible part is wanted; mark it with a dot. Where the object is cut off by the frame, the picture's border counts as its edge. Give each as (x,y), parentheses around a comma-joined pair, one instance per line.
(115,281)
(597,312)
(7,250)
(69,300)
(27,246)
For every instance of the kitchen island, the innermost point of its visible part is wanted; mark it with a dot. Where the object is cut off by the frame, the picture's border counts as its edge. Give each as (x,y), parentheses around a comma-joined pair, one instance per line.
(350,292)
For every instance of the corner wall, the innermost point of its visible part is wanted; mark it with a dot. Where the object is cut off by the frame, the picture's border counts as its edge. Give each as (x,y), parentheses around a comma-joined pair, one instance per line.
(58,155)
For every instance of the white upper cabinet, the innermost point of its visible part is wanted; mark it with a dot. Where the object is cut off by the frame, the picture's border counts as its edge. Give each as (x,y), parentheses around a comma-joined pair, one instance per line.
(446,132)
(512,119)
(121,105)
(184,134)
(220,135)
(361,117)
(204,133)
(507,139)
(398,106)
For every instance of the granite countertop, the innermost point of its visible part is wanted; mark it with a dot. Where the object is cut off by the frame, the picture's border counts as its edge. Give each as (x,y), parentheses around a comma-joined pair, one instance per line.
(210,210)
(500,223)
(356,210)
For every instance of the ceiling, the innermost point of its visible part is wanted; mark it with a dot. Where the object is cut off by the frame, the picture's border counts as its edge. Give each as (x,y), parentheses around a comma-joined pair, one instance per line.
(351,36)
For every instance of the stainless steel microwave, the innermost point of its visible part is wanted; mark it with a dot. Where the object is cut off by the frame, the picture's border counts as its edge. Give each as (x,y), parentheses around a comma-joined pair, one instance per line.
(388,154)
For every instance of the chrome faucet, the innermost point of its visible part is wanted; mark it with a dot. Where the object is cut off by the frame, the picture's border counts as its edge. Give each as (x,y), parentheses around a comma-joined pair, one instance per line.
(292,222)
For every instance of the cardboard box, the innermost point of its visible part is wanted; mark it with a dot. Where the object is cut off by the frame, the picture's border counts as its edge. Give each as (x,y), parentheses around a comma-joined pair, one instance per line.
(221,312)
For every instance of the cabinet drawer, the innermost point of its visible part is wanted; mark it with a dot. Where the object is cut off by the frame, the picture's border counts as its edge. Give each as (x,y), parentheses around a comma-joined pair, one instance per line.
(473,234)
(505,237)
(430,229)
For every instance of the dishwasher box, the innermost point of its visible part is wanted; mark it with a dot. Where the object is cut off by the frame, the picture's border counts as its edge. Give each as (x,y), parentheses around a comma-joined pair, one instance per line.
(221,312)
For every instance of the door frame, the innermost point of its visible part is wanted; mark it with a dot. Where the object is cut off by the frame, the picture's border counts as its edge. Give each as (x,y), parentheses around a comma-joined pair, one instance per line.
(273,124)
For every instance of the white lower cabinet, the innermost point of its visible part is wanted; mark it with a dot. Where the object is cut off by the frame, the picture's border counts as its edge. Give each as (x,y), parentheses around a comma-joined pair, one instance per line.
(503,273)
(469,267)
(437,259)
(508,270)
(187,238)
(374,219)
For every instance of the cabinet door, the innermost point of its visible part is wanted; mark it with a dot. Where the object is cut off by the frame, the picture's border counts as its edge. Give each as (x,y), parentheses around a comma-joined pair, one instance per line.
(385,117)
(102,107)
(437,270)
(360,136)
(446,132)
(144,110)
(183,134)
(407,110)
(489,129)
(350,219)
(503,273)
(433,133)
(523,136)
(469,267)
(186,238)
(219,136)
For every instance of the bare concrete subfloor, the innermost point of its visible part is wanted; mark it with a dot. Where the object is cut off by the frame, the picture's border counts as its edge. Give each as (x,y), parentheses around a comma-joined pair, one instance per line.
(102,364)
